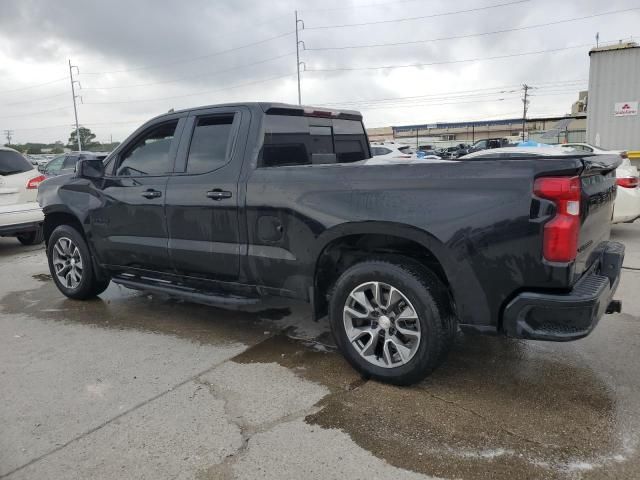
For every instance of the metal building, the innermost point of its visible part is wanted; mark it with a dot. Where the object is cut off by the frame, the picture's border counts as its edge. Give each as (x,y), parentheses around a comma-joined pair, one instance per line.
(613,121)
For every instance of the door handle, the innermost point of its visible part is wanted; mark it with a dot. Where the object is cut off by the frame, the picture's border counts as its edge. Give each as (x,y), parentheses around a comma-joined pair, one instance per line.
(218,194)
(151,194)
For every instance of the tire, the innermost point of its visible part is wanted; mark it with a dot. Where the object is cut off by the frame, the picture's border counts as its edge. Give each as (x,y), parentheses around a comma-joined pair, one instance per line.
(77,278)
(424,297)
(31,238)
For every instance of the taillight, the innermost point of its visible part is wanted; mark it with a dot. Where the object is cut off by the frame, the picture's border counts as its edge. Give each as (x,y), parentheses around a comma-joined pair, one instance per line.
(560,238)
(627,182)
(35,181)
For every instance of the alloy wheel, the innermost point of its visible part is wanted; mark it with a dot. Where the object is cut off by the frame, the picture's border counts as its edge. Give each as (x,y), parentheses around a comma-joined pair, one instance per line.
(382,324)
(67,262)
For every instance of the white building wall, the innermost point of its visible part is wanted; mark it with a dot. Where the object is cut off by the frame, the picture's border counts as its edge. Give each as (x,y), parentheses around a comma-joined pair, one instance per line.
(614,77)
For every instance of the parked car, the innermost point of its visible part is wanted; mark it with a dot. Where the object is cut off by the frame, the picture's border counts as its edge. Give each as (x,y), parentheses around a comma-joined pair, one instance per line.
(227,204)
(391,150)
(488,143)
(64,164)
(20,214)
(456,151)
(627,206)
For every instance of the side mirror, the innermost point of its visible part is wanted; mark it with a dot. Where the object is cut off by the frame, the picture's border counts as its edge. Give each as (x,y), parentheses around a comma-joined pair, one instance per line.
(41,168)
(90,168)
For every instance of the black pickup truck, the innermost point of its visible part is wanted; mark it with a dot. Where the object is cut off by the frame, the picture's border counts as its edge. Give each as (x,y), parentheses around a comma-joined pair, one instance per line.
(227,204)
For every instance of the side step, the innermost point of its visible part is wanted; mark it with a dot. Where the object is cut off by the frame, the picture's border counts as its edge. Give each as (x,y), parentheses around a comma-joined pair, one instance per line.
(215,299)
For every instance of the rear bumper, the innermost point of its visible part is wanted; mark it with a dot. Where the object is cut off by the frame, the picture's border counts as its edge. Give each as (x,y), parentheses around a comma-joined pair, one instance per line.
(567,316)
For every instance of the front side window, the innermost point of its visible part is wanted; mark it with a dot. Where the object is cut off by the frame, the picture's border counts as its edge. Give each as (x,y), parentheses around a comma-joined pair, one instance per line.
(480,144)
(149,155)
(211,144)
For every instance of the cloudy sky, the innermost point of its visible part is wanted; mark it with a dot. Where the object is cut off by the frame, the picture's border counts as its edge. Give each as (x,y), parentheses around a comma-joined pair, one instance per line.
(462,60)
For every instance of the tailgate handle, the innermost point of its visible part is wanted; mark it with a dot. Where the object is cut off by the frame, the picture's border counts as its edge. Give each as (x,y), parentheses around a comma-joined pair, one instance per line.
(218,194)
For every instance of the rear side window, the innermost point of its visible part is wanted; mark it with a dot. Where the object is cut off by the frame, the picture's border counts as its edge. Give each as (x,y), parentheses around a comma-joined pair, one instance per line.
(292,140)
(149,155)
(12,163)
(210,144)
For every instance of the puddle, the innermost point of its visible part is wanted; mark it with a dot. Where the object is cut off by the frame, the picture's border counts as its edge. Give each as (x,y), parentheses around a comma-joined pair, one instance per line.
(42,277)
(122,308)
(495,410)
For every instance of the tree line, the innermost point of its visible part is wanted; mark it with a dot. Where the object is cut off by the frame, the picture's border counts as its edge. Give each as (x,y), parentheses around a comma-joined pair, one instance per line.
(87,139)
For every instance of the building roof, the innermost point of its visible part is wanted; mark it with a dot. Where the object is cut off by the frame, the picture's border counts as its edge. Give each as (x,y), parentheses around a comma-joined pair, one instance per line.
(616,46)
(480,123)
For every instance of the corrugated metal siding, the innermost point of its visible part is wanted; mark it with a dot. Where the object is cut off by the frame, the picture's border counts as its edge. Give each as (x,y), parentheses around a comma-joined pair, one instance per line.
(614,76)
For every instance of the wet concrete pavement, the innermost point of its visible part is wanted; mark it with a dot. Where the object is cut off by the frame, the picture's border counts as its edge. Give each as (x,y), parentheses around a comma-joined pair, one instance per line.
(133,385)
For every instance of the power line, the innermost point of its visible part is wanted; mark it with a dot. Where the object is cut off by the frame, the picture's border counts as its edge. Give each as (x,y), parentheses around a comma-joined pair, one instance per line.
(477,59)
(33,86)
(457,37)
(421,17)
(193,94)
(36,113)
(351,7)
(35,100)
(193,59)
(191,77)
(499,88)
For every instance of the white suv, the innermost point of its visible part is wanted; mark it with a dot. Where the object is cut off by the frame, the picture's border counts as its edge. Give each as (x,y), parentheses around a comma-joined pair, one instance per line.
(20,214)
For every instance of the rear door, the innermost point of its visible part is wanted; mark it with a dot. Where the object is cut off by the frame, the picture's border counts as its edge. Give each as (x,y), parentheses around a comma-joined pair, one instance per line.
(202,195)
(129,225)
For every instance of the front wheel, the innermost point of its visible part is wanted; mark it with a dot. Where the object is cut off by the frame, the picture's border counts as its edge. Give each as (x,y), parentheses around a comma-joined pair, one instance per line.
(390,320)
(71,265)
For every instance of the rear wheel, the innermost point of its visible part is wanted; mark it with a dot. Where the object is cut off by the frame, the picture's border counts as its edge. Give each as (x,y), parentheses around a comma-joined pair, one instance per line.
(31,238)
(71,265)
(391,320)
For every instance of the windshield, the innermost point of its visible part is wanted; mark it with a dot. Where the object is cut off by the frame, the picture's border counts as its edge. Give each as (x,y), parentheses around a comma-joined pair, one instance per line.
(12,163)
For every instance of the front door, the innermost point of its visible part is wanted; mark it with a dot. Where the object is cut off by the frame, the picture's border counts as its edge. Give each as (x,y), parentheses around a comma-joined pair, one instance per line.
(202,195)
(129,226)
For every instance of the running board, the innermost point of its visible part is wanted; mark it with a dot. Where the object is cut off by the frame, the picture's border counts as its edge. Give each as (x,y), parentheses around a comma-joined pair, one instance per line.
(215,299)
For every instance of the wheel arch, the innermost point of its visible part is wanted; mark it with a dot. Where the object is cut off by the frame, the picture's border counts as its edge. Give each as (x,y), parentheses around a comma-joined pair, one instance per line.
(56,216)
(345,245)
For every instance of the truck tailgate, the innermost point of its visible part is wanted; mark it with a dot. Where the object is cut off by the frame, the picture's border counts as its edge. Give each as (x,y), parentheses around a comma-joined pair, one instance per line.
(598,181)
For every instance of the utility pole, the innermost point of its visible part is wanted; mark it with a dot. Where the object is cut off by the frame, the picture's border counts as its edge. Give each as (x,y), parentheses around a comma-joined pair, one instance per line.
(9,135)
(75,107)
(525,102)
(298,62)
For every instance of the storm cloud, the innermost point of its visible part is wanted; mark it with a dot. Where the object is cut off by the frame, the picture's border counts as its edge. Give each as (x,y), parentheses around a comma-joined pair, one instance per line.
(140,58)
